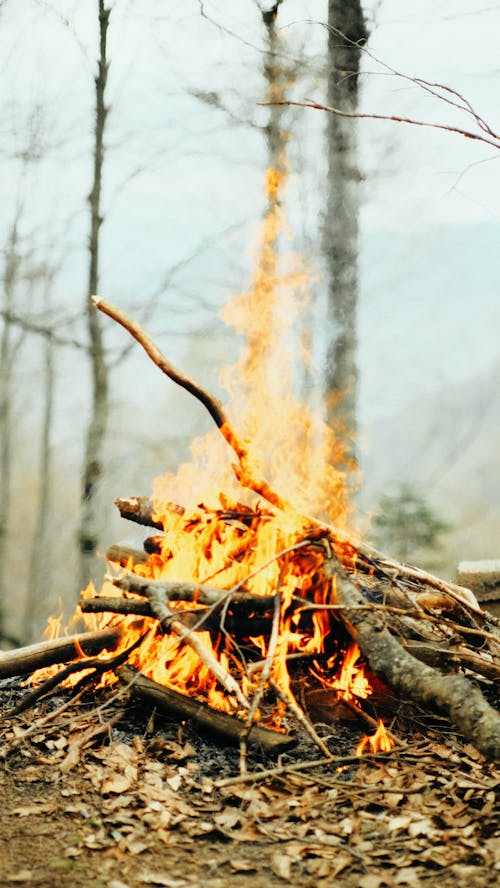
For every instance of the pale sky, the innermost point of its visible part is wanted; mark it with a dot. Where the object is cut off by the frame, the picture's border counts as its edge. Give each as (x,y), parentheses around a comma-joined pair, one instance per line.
(181,177)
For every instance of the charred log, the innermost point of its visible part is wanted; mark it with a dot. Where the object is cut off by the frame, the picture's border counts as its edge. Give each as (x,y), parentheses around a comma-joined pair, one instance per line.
(139,509)
(23,661)
(201,618)
(220,724)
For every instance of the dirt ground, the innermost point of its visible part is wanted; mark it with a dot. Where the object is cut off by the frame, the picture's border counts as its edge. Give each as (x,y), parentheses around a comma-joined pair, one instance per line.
(107,798)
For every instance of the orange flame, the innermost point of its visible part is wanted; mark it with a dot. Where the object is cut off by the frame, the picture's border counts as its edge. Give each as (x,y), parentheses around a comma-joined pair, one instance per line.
(380,741)
(215,532)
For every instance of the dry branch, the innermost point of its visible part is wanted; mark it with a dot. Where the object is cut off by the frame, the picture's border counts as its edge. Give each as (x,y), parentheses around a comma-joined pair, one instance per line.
(219,723)
(244,471)
(139,509)
(196,592)
(201,618)
(124,555)
(23,661)
(394,118)
(454,695)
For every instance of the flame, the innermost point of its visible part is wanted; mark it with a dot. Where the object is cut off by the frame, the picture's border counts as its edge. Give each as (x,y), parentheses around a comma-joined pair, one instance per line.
(53,627)
(380,741)
(216,532)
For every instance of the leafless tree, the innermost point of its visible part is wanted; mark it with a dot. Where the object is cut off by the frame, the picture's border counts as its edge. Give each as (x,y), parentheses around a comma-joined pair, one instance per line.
(38,585)
(92,465)
(12,262)
(347,32)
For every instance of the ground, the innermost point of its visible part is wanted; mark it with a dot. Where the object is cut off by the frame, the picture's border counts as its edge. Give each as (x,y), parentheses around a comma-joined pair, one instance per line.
(101,797)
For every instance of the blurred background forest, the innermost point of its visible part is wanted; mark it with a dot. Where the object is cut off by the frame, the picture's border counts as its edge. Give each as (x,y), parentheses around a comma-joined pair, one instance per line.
(134,141)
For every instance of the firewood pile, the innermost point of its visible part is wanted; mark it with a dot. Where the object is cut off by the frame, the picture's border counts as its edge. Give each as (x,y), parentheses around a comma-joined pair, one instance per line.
(269,604)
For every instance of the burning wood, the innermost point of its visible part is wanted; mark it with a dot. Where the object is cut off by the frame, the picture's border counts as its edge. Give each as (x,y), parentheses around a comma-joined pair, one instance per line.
(231,585)
(232,730)
(25,660)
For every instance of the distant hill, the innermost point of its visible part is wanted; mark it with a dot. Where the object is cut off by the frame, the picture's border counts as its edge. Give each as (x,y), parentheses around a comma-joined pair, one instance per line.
(429,312)
(449,446)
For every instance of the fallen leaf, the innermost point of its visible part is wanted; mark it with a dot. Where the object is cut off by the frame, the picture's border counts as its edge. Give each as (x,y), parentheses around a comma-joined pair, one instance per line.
(228,818)
(281,865)
(421,828)
(30,810)
(371,880)
(341,862)
(408,876)
(175,782)
(242,866)
(401,822)
(162,879)
(119,783)
(133,846)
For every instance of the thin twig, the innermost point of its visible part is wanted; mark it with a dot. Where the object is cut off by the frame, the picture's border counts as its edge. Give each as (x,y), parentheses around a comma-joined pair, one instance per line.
(244,471)
(263,677)
(255,776)
(293,706)
(394,118)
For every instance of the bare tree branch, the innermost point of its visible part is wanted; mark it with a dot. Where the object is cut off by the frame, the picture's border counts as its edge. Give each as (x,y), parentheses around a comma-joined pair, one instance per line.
(495,143)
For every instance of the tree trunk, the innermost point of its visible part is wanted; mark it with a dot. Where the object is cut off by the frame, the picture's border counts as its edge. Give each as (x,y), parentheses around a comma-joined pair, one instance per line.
(92,467)
(39,571)
(11,272)
(340,235)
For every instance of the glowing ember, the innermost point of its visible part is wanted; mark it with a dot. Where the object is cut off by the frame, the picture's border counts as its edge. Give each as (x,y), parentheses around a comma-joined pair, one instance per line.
(351,680)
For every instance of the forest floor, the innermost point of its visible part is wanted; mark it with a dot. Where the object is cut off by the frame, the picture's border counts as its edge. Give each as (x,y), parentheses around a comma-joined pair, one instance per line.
(100,798)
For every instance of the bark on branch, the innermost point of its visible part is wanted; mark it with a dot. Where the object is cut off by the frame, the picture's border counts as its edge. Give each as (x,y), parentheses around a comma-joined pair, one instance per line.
(244,470)
(454,695)
(231,729)
(25,660)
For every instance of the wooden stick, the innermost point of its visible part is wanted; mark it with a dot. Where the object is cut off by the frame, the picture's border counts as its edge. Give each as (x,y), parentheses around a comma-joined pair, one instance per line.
(169,617)
(245,472)
(242,626)
(139,509)
(301,717)
(25,660)
(96,665)
(122,555)
(454,695)
(221,724)
(173,590)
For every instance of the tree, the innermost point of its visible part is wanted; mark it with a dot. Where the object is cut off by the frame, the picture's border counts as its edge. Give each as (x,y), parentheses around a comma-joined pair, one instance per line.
(407,525)
(96,430)
(38,586)
(12,262)
(346,33)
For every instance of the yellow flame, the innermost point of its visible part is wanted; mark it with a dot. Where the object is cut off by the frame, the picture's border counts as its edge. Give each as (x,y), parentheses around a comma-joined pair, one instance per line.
(290,446)
(380,741)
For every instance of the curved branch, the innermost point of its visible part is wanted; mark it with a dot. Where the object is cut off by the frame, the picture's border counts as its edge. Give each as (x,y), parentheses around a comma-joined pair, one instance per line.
(245,472)
(494,142)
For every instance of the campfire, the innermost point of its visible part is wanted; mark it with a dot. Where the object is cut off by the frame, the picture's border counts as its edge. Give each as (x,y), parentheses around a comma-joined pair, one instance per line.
(241,606)
(230,601)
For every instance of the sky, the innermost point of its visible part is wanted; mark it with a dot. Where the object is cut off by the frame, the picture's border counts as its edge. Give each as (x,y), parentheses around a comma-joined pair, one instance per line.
(183,188)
